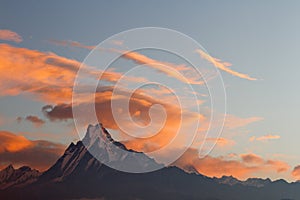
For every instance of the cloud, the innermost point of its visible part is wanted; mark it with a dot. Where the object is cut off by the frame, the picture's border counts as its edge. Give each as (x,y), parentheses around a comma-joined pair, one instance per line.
(58,112)
(72,44)
(252,158)
(19,150)
(264,138)
(13,143)
(242,167)
(223,65)
(180,72)
(222,142)
(139,106)
(232,121)
(36,121)
(48,76)
(10,36)
(296,172)
(170,69)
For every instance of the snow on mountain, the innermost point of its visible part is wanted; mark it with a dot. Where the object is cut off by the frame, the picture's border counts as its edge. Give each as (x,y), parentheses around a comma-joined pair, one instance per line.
(255,182)
(97,145)
(114,154)
(77,174)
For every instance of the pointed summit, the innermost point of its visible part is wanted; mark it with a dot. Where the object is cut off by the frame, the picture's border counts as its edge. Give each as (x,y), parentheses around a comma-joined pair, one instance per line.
(9,167)
(97,150)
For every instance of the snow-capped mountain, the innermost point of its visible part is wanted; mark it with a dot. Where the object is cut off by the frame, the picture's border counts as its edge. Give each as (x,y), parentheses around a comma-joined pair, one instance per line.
(77,159)
(77,174)
(114,154)
(10,177)
(255,182)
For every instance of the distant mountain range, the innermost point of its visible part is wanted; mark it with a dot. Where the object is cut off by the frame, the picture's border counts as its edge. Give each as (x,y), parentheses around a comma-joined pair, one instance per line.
(78,175)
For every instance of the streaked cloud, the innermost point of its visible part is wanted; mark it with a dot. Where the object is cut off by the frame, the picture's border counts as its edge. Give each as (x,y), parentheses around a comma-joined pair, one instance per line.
(170,69)
(224,66)
(232,121)
(181,72)
(71,44)
(48,76)
(10,36)
(264,138)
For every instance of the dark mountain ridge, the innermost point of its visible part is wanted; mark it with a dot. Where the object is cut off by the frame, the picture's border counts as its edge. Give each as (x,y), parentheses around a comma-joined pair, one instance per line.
(78,175)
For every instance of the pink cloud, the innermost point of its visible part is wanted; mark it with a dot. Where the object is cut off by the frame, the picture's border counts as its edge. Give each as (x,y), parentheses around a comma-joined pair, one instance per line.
(10,36)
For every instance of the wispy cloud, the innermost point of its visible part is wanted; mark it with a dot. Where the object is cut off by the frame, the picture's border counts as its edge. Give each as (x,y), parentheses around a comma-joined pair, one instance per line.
(181,72)
(224,66)
(170,69)
(71,44)
(50,78)
(232,121)
(264,138)
(47,75)
(10,36)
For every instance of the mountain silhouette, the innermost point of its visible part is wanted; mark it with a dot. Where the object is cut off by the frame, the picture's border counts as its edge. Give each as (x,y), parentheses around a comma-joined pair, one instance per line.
(79,175)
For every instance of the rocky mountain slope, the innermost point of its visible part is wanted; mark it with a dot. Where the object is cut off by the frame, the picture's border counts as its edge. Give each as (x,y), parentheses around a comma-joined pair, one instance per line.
(78,175)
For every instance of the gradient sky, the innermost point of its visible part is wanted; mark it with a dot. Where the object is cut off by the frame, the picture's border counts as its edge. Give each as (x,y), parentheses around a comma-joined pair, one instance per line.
(259,38)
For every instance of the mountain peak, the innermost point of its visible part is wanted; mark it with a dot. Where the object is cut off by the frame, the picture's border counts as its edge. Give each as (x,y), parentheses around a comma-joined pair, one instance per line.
(11,177)
(98,131)
(98,148)
(9,167)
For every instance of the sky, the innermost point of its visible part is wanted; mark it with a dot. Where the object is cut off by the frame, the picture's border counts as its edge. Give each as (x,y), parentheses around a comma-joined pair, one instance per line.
(42,43)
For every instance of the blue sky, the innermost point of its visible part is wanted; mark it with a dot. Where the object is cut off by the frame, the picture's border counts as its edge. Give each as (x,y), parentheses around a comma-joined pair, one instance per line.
(259,38)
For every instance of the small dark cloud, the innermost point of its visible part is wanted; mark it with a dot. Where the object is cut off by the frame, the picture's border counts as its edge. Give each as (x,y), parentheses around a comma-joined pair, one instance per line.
(36,121)
(58,112)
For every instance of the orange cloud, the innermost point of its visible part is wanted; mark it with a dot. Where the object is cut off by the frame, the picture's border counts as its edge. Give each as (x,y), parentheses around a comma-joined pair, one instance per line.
(223,65)
(139,106)
(241,167)
(17,149)
(252,158)
(48,76)
(181,72)
(296,172)
(13,143)
(264,138)
(170,69)
(10,36)
(222,142)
